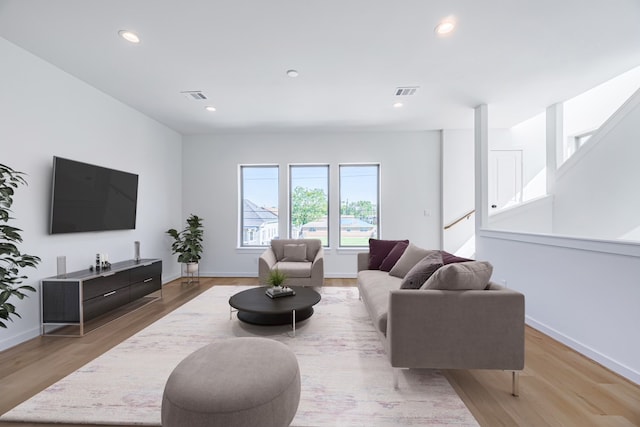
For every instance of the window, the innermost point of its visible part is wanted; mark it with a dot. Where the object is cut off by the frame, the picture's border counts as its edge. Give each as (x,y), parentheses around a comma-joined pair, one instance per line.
(259,205)
(359,208)
(309,202)
(577,141)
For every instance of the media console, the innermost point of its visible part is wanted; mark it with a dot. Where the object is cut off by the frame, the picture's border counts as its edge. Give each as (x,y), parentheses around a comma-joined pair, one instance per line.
(77,297)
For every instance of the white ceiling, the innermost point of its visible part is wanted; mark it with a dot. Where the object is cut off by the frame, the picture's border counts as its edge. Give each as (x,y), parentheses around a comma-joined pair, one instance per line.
(518,56)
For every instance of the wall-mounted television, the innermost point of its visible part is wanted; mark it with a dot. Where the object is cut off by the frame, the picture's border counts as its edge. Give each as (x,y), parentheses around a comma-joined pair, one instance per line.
(87,197)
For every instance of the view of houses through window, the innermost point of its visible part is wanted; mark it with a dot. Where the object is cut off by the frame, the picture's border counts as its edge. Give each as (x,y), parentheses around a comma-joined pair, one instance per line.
(309,203)
(259,207)
(359,207)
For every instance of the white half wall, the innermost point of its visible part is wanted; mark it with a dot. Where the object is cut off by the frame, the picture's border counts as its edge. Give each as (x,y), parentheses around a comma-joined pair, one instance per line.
(584,293)
(45,112)
(534,216)
(410,188)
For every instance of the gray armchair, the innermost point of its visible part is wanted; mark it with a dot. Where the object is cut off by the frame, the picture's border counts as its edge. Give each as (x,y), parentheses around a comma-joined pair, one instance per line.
(301,260)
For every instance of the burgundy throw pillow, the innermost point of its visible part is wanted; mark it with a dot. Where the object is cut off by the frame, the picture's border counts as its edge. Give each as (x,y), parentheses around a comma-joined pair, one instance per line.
(448,258)
(378,251)
(393,257)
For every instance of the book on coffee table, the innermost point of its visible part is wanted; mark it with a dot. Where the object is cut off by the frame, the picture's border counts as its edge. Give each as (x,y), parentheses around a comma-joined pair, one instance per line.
(281,292)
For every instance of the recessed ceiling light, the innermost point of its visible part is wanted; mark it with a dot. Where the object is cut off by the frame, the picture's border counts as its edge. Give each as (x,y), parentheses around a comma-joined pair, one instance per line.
(129,36)
(398,105)
(210,108)
(292,73)
(446,26)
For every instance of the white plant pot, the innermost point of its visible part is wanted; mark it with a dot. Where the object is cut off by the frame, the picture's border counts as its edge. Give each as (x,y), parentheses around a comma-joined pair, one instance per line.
(192,267)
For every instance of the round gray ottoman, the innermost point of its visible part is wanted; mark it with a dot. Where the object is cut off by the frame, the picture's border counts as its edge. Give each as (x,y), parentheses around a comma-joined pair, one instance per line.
(236,382)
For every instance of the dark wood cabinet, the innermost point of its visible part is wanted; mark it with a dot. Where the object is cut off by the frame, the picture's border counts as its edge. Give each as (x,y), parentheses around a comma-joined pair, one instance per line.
(75,298)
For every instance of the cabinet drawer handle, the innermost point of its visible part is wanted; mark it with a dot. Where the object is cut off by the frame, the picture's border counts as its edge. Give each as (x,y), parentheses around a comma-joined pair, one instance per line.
(109,294)
(107,275)
(148,280)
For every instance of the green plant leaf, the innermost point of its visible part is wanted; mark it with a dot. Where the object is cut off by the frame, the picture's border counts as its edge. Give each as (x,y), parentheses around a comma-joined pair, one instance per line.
(11,258)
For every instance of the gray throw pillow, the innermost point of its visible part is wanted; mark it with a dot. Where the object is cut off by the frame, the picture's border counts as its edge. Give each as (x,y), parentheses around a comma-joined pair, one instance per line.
(422,271)
(295,252)
(409,258)
(461,276)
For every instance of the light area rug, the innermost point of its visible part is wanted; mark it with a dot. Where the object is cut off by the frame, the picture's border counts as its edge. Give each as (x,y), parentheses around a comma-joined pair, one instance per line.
(346,377)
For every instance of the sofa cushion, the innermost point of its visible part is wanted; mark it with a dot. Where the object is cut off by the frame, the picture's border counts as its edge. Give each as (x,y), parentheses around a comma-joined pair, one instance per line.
(460,276)
(295,252)
(313,246)
(374,289)
(378,251)
(448,258)
(294,269)
(409,258)
(422,271)
(394,256)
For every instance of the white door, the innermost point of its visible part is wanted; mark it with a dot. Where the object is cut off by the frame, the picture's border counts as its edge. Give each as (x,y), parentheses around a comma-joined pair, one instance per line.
(505,178)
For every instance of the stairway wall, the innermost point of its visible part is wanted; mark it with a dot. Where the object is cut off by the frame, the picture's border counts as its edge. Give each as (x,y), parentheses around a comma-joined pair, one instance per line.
(596,190)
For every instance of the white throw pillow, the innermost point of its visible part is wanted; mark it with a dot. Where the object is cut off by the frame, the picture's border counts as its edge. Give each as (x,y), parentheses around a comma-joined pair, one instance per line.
(295,252)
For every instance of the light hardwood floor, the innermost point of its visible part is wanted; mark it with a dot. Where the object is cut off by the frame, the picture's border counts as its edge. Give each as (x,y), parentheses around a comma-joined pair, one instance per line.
(558,387)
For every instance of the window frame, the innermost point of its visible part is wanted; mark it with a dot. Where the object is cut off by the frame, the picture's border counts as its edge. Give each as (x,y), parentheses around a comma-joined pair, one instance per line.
(241,197)
(291,189)
(340,201)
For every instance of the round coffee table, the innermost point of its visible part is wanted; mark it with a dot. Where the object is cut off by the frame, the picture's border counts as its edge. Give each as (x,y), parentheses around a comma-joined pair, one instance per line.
(255,307)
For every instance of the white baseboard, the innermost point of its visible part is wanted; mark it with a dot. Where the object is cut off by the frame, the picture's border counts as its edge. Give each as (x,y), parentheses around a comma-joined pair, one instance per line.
(587,351)
(20,338)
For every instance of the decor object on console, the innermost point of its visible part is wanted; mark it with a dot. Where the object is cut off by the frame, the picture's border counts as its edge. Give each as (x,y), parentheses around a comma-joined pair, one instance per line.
(188,243)
(301,260)
(455,319)
(11,259)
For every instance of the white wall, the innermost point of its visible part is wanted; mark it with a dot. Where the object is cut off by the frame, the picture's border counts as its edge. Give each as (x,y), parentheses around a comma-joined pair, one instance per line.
(581,292)
(596,190)
(530,136)
(458,187)
(410,187)
(46,112)
(589,110)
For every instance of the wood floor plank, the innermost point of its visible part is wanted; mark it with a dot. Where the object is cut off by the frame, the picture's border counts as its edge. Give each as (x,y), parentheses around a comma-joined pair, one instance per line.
(558,387)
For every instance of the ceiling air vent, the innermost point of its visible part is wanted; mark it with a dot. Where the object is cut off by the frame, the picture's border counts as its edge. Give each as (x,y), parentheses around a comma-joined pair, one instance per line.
(195,95)
(407,91)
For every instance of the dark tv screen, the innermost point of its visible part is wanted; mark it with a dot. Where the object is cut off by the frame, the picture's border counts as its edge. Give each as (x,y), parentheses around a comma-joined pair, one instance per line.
(91,198)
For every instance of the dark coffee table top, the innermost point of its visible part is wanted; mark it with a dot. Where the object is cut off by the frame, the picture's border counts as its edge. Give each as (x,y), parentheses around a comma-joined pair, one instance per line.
(256,301)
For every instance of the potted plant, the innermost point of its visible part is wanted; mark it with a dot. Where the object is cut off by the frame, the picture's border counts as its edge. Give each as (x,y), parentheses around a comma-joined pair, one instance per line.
(188,243)
(276,278)
(11,259)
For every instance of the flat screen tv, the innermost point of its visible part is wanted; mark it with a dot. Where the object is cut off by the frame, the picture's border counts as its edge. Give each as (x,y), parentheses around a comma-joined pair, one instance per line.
(87,197)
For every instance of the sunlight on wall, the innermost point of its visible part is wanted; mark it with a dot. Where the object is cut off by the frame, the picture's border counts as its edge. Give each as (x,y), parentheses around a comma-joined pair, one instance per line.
(585,113)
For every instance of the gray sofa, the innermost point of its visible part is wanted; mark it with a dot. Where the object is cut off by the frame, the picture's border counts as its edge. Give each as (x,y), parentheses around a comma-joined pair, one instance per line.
(445,329)
(304,268)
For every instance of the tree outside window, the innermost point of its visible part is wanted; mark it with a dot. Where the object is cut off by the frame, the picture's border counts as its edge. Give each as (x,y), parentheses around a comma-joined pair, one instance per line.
(359,204)
(309,203)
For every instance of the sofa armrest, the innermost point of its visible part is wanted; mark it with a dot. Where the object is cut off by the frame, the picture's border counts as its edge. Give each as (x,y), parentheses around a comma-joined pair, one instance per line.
(317,269)
(456,329)
(266,261)
(363,261)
